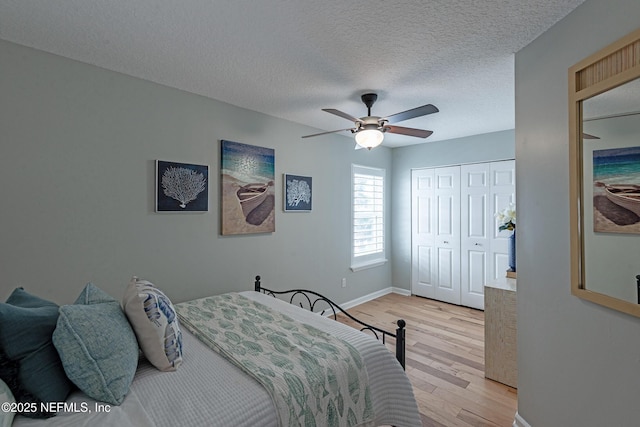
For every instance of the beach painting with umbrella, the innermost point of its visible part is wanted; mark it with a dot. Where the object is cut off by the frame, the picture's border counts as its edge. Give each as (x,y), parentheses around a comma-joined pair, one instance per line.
(247,189)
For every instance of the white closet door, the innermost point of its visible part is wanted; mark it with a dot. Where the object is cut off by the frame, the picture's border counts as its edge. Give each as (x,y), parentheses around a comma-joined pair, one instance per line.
(423,274)
(455,243)
(503,192)
(475,228)
(447,234)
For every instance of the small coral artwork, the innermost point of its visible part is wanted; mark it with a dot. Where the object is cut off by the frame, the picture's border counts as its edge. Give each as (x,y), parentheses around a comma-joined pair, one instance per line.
(181,187)
(297,190)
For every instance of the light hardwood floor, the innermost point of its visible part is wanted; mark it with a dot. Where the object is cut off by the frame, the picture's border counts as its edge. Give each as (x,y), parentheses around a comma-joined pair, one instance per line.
(445,360)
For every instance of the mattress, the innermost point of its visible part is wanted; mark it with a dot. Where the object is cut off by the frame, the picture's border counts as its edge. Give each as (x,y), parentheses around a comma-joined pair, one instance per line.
(207,390)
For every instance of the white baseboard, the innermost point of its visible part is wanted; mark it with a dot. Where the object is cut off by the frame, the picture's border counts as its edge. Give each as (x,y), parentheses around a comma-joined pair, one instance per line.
(401,291)
(361,300)
(520,422)
(377,294)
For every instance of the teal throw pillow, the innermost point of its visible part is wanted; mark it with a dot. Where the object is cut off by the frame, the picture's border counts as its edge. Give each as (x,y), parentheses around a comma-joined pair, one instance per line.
(91,294)
(31,365)
(98,349)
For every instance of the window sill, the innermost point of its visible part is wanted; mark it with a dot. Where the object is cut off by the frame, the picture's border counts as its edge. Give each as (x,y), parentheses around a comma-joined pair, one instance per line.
(368,264)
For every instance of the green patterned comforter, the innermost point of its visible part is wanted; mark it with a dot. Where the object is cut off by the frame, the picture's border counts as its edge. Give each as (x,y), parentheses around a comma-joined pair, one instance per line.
(313,378)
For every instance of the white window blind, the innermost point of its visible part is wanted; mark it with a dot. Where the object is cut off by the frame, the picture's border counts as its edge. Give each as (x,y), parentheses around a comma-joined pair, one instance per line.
(368,243)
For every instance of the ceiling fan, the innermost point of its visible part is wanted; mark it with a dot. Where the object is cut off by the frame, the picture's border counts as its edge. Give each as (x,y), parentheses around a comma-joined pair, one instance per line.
(369,130)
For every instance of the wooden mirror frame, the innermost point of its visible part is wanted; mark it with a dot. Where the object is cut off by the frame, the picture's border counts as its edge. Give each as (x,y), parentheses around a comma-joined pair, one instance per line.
(611,67)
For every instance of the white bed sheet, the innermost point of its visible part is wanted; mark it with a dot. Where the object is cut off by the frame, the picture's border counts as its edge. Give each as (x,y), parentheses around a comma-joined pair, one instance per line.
(207,390)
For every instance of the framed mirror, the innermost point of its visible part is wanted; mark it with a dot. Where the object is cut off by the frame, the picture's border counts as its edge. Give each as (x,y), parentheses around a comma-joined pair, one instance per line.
(604,156)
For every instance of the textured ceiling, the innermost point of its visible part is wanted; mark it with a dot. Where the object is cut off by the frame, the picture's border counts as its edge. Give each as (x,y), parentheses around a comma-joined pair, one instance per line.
(290,58)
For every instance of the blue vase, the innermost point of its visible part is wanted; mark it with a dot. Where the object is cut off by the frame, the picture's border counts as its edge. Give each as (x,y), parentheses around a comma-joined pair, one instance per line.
(512,251)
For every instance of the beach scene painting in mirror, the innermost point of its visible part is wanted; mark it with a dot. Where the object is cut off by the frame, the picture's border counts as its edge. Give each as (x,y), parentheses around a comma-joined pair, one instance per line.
(247,193)
(616,193)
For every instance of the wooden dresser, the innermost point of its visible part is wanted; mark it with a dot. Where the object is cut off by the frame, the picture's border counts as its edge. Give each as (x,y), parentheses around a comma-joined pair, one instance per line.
(500,332)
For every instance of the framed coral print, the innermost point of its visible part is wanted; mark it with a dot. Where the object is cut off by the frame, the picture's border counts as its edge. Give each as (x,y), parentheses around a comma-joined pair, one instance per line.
(297,193)
(181,187)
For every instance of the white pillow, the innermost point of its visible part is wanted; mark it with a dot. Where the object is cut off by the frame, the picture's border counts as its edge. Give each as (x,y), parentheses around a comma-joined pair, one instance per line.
(155,323)
(6,416)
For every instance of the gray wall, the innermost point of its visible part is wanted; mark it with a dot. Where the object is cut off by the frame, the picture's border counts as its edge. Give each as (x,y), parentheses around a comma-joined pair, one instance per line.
(474,149)
(578,363)
(77,151)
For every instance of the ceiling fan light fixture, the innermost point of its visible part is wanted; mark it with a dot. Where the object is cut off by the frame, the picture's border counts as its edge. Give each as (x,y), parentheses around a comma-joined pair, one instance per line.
(369,138)
(369,130)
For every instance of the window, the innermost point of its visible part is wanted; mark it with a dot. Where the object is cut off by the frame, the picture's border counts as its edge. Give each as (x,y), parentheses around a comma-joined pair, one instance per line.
(368,242)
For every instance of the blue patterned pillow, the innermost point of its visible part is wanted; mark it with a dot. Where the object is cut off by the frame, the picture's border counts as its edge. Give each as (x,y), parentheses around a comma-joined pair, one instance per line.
(155,322)
(98,349)
(29,363)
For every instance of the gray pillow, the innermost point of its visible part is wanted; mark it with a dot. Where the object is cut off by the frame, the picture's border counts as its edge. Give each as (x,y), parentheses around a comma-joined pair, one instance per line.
(98,349)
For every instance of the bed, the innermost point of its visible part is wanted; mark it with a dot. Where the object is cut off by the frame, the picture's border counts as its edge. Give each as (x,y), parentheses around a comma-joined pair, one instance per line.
(315,302)
(209,390)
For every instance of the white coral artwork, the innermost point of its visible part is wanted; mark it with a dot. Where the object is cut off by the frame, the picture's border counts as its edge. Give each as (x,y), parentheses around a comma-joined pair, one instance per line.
(298,191)
(183,184)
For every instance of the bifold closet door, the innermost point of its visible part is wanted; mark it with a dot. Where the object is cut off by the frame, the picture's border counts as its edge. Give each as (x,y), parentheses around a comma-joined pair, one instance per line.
(475,227)
(503,192)
(456,247)
(436,233)
(447,234)
(422,233)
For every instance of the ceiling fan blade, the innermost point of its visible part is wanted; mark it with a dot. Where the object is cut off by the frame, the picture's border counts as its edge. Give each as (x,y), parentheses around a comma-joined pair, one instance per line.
(410,114)
(588,136)
(342,114)
(331,131)
(420,133)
